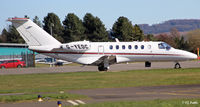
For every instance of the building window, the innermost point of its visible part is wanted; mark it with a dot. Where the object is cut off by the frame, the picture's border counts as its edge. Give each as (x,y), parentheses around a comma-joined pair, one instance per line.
(142,46)
(129,47)
(117,46)
(136,47)
(111,47)
(123,47)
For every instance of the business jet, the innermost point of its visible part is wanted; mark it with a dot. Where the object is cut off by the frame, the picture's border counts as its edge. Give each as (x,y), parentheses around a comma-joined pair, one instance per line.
(101,54)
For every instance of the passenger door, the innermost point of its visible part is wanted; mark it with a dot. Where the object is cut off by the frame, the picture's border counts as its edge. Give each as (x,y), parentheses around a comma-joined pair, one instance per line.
(101,50)
(150,51)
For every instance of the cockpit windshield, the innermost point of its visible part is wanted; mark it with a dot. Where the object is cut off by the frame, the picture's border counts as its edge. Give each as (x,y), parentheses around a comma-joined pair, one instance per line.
(164,45)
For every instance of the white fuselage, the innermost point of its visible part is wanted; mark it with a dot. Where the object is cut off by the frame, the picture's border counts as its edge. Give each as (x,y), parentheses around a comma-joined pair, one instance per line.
(127,52)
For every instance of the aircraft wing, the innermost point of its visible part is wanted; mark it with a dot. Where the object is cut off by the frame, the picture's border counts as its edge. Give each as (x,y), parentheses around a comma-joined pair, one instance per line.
(105,59)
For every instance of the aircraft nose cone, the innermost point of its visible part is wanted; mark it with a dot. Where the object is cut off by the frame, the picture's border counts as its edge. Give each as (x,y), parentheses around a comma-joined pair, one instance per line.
(192,56)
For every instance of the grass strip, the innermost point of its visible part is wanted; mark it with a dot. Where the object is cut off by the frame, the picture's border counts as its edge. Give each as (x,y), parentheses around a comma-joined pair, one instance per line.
(54,83)
(45,97)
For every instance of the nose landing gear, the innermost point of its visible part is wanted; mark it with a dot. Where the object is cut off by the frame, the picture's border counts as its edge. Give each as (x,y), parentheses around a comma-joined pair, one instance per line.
(177,66)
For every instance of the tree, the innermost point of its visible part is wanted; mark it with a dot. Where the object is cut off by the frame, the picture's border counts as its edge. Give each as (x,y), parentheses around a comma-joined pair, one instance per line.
(176,42)
(26,16)
(3,36)
(194,39)
(137,33)
(95,29)
(166,38)
(174,32)
(13,36)
(182,44)
(52,25)
(149,37)
(37,21)
(73,28)
(179,41)
(123,29)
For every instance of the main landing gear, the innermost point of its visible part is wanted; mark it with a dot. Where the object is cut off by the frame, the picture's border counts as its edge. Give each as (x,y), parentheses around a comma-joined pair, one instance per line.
(102,68)
(147,64)
(177,66)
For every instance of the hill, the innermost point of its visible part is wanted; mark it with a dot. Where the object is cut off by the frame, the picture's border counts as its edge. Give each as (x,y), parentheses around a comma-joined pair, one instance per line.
(182,25)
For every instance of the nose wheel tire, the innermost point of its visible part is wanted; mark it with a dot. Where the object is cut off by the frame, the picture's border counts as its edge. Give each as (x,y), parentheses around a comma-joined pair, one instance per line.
(177,66)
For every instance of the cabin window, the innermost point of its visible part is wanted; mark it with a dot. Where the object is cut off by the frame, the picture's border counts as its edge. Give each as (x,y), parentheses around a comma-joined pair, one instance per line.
(117,46)
(142,46)
(136,47)
(123,47)
(129,47)
(111,47)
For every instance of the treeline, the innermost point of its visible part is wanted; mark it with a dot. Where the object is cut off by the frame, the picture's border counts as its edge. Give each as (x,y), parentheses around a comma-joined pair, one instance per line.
(181,25)
(74,29)
(91,28)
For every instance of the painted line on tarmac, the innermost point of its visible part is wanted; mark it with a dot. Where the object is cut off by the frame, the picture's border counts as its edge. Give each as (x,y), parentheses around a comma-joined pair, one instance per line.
(79,101)
(195,90)
(72,102)
(182,94)
(7,94)
(141,93)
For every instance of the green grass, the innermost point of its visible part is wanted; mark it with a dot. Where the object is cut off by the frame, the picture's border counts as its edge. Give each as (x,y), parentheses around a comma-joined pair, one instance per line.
(152,103)
(53,83)
(47,97)
(41,65)
(47,65)
(29,83)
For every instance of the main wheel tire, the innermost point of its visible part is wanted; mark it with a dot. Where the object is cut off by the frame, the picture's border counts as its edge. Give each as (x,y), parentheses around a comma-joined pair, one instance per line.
(102,68)
(105,69)
(177,66)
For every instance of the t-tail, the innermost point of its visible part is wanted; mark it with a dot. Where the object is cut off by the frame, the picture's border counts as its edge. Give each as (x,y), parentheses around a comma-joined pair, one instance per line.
(34,36)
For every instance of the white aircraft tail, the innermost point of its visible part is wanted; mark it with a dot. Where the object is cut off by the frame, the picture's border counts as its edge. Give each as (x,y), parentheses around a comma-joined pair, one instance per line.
(32,33)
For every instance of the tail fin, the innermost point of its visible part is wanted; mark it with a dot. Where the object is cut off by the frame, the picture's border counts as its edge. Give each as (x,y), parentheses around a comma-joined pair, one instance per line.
(32,33)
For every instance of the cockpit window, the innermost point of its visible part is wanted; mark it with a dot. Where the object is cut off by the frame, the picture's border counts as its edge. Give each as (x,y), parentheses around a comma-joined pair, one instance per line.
(164,45)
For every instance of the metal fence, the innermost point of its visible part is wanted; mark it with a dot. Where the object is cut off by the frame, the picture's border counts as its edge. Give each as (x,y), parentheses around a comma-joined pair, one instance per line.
(27,57)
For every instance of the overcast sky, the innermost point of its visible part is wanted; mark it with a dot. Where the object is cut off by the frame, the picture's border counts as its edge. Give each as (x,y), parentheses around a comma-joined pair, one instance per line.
(138,11)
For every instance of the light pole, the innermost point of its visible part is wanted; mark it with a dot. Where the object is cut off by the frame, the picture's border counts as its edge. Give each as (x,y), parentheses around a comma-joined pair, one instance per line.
(52,25)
